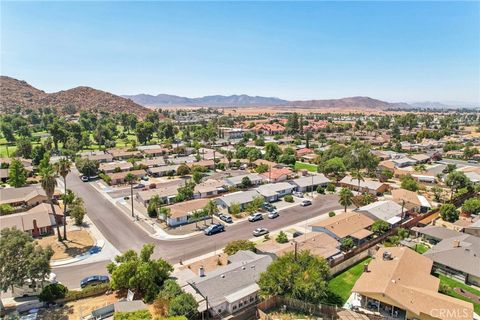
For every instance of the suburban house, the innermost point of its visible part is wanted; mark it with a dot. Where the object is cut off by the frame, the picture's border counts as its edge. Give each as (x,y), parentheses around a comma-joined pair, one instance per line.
(387,210)
(368,185)
(473,228)
(155,151)
(208,188)
(122,154)
(25,196)
(37,221)
(166,193)
(473,176)
(305,184)
(404,162)
(411,200)
(303,151)
(435,234)
(236,181)
(109,167)
(319,244)
(458,256)
(233,287)
(243,198)
(420,158)
(119,177)
(397,283)
(232,133)
(270,129)
(98,156)
(277,174)
(151,162)
(349,224)
(181,212)
(274,191)
(163,170)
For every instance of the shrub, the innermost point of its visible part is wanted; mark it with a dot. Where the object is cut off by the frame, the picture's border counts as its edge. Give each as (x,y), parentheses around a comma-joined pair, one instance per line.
(53,292)
(134,315)
(183,305)
(89,291)
(331,187)
(104,177)
(237,245)
(288,198)
(282,237)
(320,190)
(331,214)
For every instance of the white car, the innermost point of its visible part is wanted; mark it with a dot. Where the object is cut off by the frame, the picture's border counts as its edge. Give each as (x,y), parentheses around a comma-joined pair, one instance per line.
(255,217)
(260,232)
(298,194)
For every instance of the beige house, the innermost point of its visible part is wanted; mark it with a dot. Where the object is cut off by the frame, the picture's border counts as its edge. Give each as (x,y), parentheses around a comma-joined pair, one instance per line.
(397,283)
(38,221)
(25,196)
(119,177)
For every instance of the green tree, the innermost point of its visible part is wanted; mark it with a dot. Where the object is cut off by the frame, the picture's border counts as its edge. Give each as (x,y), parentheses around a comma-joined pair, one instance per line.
(5,209)
(380,227)
(8,132)
(346,244)
(236,245)
(357,175)
(449,212)
(21,259)
(53,292)
(38,153)
(246,183)
(153,206)
(133,315)
(17,175)
(87,167)
(211,208)
(334,167)
(301,276)
(235,208)
(346,198)
(409,183)
(471,206)
(282,237)
(77,211)
(272,151)
(437,193)
(170,290)
(24,148)
(457,180)
(262,168)
(49,182)
(63,168)
(183,170)
(139,272)
(183,305)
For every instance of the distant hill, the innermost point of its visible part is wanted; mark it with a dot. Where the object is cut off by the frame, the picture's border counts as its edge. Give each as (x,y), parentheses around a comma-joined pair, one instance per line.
(216,100)
(17,93)
(249,101)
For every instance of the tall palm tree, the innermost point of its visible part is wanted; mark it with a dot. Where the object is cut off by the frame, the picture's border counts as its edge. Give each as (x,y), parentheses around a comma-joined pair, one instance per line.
(63,169)
(211,208)
(130,179)
(358,175)
(49,182)
(346,196)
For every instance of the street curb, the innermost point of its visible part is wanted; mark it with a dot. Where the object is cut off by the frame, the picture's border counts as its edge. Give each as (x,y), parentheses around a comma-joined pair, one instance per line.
(58,263)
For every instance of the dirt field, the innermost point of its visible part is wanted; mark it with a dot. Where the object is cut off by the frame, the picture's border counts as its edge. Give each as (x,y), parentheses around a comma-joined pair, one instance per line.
(209,264)
(78,242)
(81,308)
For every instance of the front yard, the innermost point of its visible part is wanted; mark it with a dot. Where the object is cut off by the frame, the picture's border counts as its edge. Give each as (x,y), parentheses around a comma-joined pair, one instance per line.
(302,165)
(343,283)
(79,241)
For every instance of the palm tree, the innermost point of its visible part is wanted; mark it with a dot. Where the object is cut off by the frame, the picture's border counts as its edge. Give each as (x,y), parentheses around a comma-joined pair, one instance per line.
(130,179)
(229,157)
(357,175)
(155,202)
(49,182)
(63,169)
(346,196)
(211,208)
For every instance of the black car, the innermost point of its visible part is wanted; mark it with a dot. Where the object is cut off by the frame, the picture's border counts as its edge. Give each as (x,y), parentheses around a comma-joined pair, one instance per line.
(139,186)
(214,228)
(93,281)
(226,218)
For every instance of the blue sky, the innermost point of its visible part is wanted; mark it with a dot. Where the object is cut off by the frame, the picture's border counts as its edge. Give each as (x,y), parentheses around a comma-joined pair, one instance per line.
(396,51)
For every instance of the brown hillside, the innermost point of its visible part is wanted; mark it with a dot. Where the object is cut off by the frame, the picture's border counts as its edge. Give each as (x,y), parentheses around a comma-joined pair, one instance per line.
(15,93)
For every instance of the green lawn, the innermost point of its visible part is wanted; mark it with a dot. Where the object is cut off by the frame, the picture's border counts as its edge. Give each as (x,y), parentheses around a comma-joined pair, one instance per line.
(451,283)
(308,166)
(343,283)
(421,248)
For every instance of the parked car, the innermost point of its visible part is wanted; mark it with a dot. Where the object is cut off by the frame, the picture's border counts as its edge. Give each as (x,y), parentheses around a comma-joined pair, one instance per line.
(145,178)
(226,218)
(214,228)
(298,194)
(472,161)
(306,203)
(255,217)
(152,186)
(93,281)
(139,186)
(84,178)
(260,232)
(273,214)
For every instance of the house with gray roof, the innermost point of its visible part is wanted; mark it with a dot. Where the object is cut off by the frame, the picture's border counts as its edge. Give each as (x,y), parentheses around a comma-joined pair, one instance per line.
(305,184)
(236,181)
(366,185)
(243,198)
(435,234)
(233,287)
(274,191)
(458,257)
(387,210)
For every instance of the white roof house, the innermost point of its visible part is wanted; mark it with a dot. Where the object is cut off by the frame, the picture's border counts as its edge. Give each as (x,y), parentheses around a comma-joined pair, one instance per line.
(307,182)
(255,178)
(240,197)
(387,210)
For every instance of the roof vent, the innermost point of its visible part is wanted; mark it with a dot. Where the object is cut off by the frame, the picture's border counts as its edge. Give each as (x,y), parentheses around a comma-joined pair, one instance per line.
(387,255)
(456,243)
(222,276)
(243,268)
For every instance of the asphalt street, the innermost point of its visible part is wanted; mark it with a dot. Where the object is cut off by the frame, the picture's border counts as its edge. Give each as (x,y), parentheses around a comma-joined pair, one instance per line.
(124,234)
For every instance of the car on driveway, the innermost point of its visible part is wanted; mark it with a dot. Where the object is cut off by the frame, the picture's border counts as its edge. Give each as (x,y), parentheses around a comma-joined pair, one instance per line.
(226,218)
(306,203)
(93,281)
(298,194)
(214,228)
(273,215)
(84,178)
(255,217)
(260,232)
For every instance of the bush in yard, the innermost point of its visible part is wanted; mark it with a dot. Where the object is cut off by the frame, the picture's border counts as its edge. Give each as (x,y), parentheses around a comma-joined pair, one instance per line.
(346,244)
(183,305)
(282,237)
(135,315)
(288,198)
(53,292)
(237,245)
(471,206)
(449,212)
(170,290)
(320,190)
(331,214)
(380,227)
(330,187)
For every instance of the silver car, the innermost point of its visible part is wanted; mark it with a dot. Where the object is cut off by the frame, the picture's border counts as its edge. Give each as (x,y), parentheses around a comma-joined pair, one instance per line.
(260,232)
